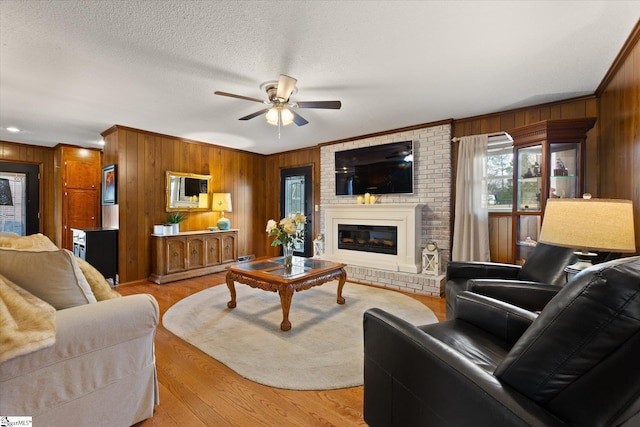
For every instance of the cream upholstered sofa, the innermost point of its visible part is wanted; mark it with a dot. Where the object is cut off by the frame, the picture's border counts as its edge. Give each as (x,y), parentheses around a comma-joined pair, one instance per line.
(72,351)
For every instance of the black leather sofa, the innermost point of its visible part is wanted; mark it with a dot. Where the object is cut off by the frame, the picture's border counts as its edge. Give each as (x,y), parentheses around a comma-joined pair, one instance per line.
(530,286)
(495,364)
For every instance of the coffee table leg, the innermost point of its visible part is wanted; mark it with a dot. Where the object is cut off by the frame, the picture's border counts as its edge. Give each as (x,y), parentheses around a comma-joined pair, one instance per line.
(341,280)
(232,290)
(286,295)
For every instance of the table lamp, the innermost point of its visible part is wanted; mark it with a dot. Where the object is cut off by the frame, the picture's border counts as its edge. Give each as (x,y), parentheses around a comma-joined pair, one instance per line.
(588,225)
(222,203)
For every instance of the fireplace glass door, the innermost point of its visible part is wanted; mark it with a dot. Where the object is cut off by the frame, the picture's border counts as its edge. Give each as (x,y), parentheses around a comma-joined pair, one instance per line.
(368,238)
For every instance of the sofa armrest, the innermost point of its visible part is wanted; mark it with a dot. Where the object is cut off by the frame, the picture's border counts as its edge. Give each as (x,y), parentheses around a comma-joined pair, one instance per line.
(98,346)
(411,378)
(92,327)
(533,296)
(505,321)
(474,270)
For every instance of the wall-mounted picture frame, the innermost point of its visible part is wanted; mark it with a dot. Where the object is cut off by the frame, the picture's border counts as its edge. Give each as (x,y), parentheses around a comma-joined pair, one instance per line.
(109,185)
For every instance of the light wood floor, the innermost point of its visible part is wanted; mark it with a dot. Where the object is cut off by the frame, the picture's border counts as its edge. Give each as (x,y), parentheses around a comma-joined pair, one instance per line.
(196,390)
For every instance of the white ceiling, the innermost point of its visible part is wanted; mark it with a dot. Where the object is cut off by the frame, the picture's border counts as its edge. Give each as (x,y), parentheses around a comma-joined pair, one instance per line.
(71,69)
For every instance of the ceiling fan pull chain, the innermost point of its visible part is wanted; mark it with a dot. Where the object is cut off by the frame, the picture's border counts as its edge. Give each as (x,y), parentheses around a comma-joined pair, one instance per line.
(279,121)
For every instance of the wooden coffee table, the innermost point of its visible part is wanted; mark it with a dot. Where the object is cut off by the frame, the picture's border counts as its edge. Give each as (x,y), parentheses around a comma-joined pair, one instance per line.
(268,274)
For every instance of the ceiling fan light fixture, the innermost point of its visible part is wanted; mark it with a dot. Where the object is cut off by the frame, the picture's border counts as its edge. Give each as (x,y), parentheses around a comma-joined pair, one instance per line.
(279,115)
(286,116)
(272,116)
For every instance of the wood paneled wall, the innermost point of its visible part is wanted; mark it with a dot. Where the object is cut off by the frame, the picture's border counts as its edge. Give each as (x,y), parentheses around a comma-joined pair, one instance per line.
(619,117)
(290,159)
(44,157)
(501,238)
(143,159)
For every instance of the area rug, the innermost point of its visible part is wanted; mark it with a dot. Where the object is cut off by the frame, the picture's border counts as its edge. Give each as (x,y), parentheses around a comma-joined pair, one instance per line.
(323,350)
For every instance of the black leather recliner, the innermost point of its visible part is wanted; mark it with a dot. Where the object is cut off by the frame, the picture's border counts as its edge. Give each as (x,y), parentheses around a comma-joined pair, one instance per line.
(495,364)
(530,286)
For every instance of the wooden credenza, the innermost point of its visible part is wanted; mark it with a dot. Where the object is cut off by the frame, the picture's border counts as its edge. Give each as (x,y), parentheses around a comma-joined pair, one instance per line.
(191,253)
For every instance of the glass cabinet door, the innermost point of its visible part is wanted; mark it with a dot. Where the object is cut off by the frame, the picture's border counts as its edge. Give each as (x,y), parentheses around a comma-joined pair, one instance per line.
(527,232)
(564,171)
(528,208)
(529,179)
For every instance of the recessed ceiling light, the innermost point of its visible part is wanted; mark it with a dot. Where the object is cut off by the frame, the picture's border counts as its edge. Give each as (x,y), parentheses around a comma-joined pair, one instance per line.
(13,129)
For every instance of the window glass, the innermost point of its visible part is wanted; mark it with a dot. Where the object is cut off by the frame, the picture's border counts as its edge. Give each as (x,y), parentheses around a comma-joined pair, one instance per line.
(13,202)
(500,176)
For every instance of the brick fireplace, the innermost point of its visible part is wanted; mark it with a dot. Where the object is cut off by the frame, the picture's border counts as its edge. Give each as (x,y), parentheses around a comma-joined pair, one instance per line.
(432,193)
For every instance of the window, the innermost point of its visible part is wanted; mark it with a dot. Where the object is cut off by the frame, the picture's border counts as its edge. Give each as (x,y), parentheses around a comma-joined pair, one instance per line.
(13,206)
(500,174)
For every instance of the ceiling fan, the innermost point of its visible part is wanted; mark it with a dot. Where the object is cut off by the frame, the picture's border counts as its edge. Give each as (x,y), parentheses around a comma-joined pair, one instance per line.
(280,110)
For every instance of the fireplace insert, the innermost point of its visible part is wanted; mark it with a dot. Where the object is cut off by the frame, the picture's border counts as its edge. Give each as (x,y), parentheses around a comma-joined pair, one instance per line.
(379,239)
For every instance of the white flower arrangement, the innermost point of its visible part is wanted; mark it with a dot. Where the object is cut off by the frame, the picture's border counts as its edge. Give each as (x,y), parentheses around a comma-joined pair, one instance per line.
(289,231)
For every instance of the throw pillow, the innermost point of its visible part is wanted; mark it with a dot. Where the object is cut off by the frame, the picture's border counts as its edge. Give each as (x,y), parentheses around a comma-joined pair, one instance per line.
(52,276)
(99,286)
(27,323)
(32,241)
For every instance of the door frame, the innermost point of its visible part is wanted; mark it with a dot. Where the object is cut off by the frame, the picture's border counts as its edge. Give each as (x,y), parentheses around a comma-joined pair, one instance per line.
(33,172)
(307,172)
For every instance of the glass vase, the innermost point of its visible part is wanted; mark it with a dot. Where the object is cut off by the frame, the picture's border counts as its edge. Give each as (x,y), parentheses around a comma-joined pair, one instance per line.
(287,251)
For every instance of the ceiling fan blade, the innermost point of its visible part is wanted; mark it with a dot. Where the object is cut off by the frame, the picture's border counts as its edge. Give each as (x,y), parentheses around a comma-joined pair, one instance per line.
(286,85)
(246,98)
(333,105)
(298,119)
(256,114)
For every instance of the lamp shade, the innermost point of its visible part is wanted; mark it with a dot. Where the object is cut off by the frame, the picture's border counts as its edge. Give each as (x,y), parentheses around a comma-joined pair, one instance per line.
(589,224)
(221,202)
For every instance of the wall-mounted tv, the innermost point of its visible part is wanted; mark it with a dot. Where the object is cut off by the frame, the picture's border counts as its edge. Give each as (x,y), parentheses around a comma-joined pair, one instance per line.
(378,169)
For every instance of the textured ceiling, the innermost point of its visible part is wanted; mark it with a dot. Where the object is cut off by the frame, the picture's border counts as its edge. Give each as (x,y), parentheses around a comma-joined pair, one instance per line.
(71,69)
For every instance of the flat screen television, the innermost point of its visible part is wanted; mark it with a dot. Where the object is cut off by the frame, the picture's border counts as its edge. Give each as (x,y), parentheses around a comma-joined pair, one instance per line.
(378,169)
(194,186)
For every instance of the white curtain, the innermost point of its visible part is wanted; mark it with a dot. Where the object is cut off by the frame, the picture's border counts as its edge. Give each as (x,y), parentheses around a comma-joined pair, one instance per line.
(471,225)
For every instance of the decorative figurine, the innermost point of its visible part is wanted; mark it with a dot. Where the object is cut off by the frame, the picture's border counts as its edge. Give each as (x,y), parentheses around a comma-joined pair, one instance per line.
(560,169)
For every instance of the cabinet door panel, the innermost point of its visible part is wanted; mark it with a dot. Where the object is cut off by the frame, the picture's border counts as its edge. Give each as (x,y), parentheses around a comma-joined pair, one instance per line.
(80,211)
(82,173)
(176,255)
(228,248)
(195,252)
(213,256)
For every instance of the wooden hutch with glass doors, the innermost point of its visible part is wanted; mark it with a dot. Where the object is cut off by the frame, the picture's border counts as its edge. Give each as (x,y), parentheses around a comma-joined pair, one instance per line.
(548,162)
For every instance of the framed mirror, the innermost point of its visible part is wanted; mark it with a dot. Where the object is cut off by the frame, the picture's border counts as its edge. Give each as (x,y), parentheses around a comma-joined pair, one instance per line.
(188,192)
